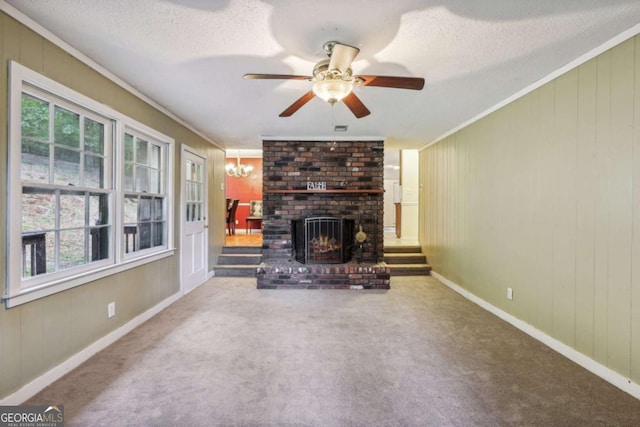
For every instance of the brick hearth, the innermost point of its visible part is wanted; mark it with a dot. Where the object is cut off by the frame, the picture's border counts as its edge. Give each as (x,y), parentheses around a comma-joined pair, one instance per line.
(294,275)
(353,172)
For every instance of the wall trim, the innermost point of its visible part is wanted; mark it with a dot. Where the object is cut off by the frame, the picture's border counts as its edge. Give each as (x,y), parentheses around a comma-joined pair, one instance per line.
(42,31)
(54,374)
(609,44)
(243,153)
(607,374)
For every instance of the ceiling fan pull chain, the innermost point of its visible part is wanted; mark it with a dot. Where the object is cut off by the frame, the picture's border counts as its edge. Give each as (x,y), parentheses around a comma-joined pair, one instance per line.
(333,125)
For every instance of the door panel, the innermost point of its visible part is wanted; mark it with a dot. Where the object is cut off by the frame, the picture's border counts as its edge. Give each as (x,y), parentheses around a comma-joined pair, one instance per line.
(194,221)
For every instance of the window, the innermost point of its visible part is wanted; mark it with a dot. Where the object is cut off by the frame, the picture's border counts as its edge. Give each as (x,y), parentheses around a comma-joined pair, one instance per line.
(88,189)
(144,200)
(66,185)
(194,191)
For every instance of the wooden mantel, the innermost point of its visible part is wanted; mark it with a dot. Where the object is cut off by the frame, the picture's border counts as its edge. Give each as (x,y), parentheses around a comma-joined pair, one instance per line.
(301,191)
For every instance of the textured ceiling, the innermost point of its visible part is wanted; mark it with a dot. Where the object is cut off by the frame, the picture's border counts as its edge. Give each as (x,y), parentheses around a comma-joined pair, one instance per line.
(190,55)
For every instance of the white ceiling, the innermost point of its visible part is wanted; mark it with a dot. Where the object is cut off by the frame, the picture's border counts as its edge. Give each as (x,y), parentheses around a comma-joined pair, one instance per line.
(189,56)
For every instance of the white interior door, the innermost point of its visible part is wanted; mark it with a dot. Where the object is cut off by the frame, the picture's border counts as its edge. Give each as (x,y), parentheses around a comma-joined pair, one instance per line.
(194,221)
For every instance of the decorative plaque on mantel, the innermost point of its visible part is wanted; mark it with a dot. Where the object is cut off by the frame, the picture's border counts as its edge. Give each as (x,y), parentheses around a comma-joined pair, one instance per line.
(320,185)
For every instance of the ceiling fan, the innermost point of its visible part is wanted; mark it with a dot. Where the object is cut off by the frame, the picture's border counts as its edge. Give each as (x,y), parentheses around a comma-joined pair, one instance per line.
(334,80)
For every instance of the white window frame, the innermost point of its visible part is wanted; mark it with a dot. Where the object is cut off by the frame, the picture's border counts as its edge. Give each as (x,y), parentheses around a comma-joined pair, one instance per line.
(43,279)
(19,290)
(151,139)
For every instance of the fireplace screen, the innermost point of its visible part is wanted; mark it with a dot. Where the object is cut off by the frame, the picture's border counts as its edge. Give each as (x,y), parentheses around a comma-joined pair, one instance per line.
(323,240)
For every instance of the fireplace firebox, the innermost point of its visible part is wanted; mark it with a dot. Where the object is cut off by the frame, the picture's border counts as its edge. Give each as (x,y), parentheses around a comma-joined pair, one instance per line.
(323,240)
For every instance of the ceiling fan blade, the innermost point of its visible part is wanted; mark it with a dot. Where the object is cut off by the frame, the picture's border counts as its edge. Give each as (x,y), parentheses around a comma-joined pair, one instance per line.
(298,104)
(414,83)
(342,56)
(355,105)
(275,77)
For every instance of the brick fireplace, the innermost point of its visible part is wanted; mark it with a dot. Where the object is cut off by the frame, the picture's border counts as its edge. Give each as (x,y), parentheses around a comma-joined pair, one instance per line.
(337,179)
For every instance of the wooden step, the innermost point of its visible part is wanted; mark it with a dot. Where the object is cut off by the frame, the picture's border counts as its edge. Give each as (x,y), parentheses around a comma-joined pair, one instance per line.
(241,249)
(235,270)
(402,249)
(404,258)
(406,261)
(410,270)
(240,259)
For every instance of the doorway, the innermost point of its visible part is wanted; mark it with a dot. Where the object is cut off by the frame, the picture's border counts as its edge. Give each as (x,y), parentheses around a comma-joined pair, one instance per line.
(246,227)
(401,183)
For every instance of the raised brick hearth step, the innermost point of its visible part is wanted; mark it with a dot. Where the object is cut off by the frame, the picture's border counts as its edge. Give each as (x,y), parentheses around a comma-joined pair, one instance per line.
(293,275)
(406,261)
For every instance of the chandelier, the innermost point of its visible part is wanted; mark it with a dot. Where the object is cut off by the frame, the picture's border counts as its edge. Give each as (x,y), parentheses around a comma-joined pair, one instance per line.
(238,170)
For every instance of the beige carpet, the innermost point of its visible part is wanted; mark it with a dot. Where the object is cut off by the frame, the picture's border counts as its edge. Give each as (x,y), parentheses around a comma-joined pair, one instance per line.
(417,355)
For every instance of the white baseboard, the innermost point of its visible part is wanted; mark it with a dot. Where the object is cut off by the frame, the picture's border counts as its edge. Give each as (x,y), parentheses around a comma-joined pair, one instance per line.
(30,389)
(607,374)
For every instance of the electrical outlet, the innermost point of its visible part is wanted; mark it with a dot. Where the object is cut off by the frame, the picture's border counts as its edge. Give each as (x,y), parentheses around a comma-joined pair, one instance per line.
(509,293)
(237,222)
(111,309)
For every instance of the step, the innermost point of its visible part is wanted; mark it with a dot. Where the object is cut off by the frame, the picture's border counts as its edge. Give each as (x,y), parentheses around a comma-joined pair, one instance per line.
(235,270)
(404,258)
(410,270)
(402,249)
(242,249)
(239,259)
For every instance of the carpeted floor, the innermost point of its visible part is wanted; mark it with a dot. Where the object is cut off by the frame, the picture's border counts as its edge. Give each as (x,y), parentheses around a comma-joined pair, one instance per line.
(416,355)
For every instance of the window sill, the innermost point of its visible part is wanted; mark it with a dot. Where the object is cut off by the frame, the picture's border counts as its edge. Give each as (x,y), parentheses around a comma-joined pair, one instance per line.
(51,288)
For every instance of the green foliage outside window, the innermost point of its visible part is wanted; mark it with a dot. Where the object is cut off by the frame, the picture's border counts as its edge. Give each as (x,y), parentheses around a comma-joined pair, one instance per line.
(35,129)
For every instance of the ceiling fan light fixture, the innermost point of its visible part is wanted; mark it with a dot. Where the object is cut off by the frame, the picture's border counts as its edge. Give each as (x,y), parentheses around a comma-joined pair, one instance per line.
(332,91)
(334,80)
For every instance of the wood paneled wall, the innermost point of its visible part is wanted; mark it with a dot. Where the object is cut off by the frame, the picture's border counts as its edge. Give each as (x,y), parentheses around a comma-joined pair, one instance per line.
(37,336)
(543,196)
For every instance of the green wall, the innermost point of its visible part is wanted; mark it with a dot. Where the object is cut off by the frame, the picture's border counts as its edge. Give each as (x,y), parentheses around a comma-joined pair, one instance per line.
(543,196)
(39,335)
